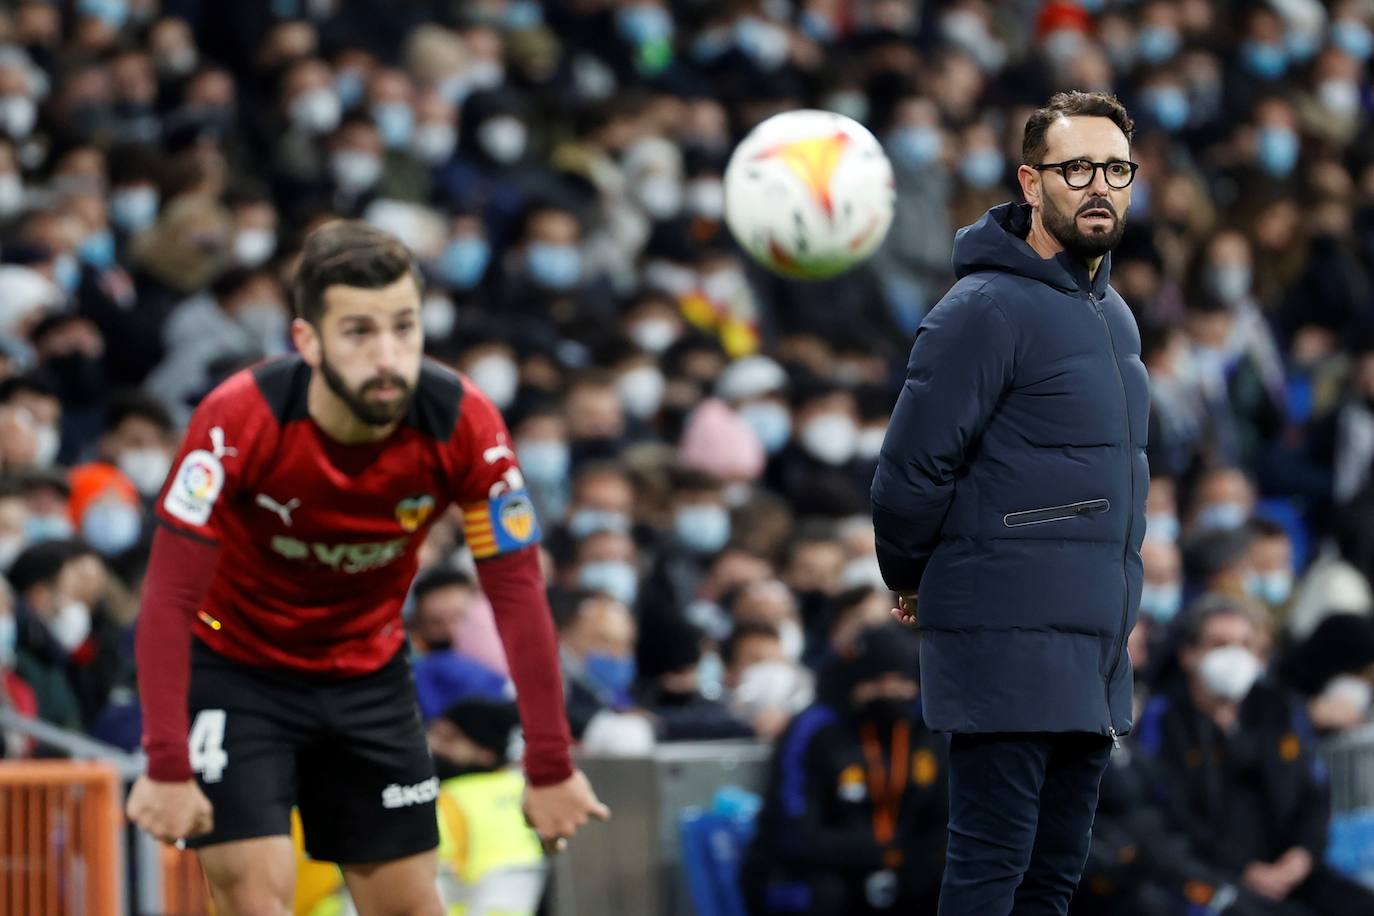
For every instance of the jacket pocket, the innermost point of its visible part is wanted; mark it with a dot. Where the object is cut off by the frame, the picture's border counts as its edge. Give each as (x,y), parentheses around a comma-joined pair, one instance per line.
(1056,513)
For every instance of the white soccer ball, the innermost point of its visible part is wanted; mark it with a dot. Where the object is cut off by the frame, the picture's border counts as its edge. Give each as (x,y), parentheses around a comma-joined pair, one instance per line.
(809,194)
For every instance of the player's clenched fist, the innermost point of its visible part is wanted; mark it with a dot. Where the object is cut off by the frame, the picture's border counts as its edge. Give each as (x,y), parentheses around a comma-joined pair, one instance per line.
(170,811)
(555,812)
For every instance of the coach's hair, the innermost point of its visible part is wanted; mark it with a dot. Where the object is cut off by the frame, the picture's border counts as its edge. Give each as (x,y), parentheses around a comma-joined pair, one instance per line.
(347,253)
(1073,103)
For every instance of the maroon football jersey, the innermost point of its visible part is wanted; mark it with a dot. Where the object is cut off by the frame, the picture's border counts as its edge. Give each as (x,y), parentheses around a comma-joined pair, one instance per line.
(318,539)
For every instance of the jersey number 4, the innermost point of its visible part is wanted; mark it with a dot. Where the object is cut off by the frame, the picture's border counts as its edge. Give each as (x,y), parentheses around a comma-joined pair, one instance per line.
(208,757)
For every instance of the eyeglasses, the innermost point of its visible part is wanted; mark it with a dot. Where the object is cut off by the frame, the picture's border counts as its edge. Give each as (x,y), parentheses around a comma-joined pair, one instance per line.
(1079,173)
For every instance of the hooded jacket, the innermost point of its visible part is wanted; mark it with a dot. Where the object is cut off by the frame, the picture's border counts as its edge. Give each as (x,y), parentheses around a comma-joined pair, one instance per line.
(1010,491)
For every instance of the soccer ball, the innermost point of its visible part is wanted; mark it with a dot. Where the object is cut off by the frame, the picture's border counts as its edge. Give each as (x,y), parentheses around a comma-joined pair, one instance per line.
(809,194)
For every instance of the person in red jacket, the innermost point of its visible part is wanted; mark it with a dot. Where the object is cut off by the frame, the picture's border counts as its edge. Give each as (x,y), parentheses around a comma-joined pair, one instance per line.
(270,632)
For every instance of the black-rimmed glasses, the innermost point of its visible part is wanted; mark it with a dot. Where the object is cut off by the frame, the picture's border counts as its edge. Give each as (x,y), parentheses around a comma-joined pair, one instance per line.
(1079,173)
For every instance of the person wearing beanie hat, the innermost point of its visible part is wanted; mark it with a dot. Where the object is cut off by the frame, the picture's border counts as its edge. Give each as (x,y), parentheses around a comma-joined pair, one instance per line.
(490,860)
(669,656)
(855,810)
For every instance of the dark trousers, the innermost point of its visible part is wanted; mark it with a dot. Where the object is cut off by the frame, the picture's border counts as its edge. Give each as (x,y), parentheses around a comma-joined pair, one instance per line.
(1021,809)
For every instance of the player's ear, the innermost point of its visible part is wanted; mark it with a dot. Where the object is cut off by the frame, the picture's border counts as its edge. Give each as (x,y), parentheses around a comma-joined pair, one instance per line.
(1030,184)
(306,338)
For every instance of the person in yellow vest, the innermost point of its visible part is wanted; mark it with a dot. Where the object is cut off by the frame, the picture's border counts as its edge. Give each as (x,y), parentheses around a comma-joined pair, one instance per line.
(490,862)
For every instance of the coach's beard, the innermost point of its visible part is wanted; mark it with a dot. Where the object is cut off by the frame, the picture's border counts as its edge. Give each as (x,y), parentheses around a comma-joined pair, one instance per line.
(371,413)
(1087,245)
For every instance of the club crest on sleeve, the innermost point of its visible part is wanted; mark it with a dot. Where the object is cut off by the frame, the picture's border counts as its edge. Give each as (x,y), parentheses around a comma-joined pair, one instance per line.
(514,514)
(414,511)
(195,488)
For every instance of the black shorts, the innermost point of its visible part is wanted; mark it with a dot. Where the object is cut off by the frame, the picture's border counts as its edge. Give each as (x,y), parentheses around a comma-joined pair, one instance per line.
(351,754)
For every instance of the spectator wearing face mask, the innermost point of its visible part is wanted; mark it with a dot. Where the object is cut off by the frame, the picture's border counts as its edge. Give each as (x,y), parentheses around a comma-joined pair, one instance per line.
(1269,579)
(669,659)
(1223,500)
(1240,776)
(605,561)
(492,163)
(1333,669)
(138,440)
(105,509)
(443,673)
(597,639)
(53,626)
(30,418)
(699,529)
(854,813)
(824,444)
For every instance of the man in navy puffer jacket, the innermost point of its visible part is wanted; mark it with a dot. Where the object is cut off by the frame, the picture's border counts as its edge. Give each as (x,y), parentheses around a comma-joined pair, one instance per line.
(1011,494)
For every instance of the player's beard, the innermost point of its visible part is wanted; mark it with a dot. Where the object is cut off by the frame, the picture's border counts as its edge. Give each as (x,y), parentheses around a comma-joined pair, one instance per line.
(372,413)
(1064,227)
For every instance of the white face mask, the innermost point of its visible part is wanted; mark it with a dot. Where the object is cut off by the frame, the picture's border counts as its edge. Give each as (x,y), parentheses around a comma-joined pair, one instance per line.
(49,442)
(11,194)
(654,334)
(317,111)
(17,116)
(355,170)
(147,468)
(660,196)
(111,526)
(641,391)
(706,198)
(254,246)
(1356,691)
(72,625)
(1340,97)
(434,141)
(1229,672)
(793,640)
(10,548)
(266,322)
(438,316)
(498,377)
(870,441)
(830,438)
(503,138)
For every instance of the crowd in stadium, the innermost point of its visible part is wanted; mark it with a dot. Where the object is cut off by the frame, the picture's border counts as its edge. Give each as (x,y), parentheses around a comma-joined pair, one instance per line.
(699,436)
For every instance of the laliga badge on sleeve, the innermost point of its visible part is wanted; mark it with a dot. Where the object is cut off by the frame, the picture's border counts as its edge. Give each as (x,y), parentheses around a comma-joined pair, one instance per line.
(195,488)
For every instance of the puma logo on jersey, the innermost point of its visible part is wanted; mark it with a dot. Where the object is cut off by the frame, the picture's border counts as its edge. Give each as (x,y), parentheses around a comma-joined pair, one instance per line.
(282,512)
(347,558)
(397,796)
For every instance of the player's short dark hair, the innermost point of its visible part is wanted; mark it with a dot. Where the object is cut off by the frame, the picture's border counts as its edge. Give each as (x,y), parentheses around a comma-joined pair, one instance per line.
(1074,103)
(742,631)
(437,578)
(347,253)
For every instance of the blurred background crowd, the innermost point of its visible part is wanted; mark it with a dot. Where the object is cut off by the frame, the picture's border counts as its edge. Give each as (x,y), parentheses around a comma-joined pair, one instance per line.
(699,436)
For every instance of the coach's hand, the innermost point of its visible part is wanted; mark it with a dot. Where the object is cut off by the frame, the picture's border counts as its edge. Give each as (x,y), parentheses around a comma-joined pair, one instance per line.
(905,611)
(555,812)
(170,811)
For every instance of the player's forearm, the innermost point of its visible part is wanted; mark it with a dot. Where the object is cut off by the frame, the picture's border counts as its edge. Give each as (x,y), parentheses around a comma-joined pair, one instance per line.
(179,571)
(515,589)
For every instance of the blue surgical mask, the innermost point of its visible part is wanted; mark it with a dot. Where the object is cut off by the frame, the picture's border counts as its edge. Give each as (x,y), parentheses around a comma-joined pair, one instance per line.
(1353,37)
(132,209)
(97,249)
(111,12)
(395,122)
(522,14)
(982,168)
(40,528)
(1157,44)
(702,529)
(1267,61)
(1169,105)
(348,86)
(9,636)
(1271,588)
(545,461)
(67,273)
(644,25)
(1302,44)
(1161,602)
(1278,150)
(771,421)
(918,145)
(590,521)
(614,577)
(1162,528)
(1222,517)
(463,261)
(557,267)
(111,526)
(1229,282)
(612,673)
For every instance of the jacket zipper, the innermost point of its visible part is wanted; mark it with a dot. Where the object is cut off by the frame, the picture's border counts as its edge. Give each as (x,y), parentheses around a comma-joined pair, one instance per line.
(1056,513)
(1130,512)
